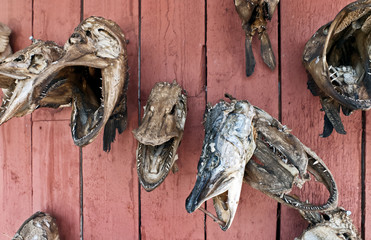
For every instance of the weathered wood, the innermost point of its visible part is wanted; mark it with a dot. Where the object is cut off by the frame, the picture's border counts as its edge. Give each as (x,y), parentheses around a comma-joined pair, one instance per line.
(54,21)
(256,213)
(300,112)
(110,180)
(55,175)
(172,48)
(368,176)
(15,136)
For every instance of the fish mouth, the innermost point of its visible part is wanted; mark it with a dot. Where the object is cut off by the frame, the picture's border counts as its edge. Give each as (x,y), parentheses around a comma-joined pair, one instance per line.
(155,161)
(225,192)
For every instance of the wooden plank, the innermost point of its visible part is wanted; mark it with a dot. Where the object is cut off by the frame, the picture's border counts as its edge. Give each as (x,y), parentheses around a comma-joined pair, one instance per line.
(15,135)
(173,48)
(110,180)
(256,213)
(55,177)
(300,112)
(367,210)
(51,23)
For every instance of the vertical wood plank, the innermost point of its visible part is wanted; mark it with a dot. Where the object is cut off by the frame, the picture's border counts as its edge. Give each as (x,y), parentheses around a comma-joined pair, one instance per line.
(55,21)
(15,136)
(226,74)
(300,112)
(55,175)
(110,181)
(173,40)
(368,176)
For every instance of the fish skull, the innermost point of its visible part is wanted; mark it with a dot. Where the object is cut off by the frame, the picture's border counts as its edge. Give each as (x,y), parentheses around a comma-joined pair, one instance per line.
(160,133)
(228,145)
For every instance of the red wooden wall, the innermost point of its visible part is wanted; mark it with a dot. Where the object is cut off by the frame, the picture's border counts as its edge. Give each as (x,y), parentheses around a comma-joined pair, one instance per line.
(201,45)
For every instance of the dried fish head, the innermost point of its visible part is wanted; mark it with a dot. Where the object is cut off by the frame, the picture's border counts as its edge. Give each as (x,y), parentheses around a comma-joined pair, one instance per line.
(160,133)
(228,145)
(90,73)
(338,58)
(18,77)
(329,225)
(5,49)
(254,15)
(282,161)
(39,226)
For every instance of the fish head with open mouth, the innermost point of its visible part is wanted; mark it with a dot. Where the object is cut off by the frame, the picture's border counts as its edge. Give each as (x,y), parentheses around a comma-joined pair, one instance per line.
(228,145)
(90,73)
(5,49)
(254,15)
(338,62)
(160,133)
(39,226)
(281,161)
(18,76)
(330,225)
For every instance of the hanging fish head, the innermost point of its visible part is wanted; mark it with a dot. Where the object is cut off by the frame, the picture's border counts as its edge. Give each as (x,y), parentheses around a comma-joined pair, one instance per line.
(228,145)
(40,226)
(335,225)
(97,51)
(338,60)
(18,76)
(160,133)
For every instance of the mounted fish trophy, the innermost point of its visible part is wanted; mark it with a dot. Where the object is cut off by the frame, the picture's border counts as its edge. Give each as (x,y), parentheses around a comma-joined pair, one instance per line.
(40,226)
(254,15)
(5,49)
(330,225)
(236,131)
(338,59)
(89,73)
(160,133)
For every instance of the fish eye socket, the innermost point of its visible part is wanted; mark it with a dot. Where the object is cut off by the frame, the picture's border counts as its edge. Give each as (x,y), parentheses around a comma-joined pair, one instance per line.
(20,58)
(172,112)
(214,161)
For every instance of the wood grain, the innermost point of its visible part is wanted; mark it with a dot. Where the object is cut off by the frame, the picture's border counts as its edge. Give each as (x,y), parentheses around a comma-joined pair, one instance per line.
(55,175)
(51,23)
(172,48)
(256,213)
(110,179)
(15,136)
(300,112)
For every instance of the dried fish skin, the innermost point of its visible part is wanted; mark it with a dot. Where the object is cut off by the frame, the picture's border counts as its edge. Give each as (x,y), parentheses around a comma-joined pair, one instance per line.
(228,146)
(160,133)
(39,226)
(281,162)
(337,59)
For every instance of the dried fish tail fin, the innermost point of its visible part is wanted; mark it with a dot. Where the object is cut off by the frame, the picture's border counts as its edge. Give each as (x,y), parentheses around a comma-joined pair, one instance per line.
(266,51)
(249,56)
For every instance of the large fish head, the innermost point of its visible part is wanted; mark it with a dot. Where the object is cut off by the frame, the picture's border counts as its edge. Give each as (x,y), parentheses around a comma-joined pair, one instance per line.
(95,63)
(160,133)
(228,145)
(338,57)
(18,76)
